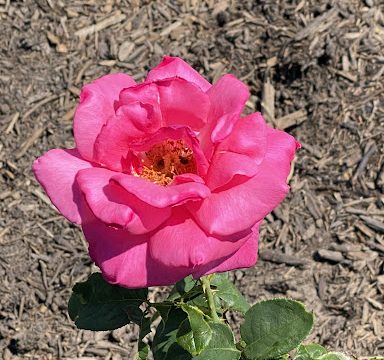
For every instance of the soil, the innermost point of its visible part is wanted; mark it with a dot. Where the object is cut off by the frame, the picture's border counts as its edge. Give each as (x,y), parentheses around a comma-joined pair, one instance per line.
(315,69)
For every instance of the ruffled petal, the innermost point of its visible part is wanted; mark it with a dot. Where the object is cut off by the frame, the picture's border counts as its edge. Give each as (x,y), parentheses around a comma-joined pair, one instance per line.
(241,153)
(173,66)
(245,257)
(146,93)
(181,242)
(124,258)
(113,205)
(239,207)
(227,97)
(163,196)
(137,117)
(56,171)
(95,108)
(183,103)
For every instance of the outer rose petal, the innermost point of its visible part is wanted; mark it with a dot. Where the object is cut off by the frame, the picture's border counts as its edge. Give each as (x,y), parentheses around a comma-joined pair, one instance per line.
(56,171)
(95,108)
(239,207)
(113,205)
(241,153)
(174,66)
(124,258)
(162,196)
(245,257)
(228,97)
(181,242)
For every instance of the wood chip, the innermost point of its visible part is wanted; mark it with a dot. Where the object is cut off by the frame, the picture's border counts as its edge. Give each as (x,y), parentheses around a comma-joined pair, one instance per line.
(312,205)
(12,123)
(109,63)
(291,119)
(311,149)
(74,90)
(370,150)
(271,62)
(40,103)
(319,24)
(42,197)
(53,39)
(346,75)
(81,72)
(281,258)
(103,24)
(333,256)
(373,223)
(344,248)
(375,246)
(364,229)
(125,50)
(375,303)
(171,28)
(69,114)
(268,102)
(352,210)
(35,135)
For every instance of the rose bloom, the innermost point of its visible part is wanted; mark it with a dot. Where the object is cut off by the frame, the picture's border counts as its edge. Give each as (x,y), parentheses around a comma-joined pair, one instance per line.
(167,178)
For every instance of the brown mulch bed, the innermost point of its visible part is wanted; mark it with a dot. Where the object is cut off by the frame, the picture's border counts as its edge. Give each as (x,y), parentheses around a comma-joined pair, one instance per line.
(315,69)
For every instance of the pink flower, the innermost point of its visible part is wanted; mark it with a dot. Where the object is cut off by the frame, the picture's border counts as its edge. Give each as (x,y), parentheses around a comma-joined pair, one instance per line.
(167,178)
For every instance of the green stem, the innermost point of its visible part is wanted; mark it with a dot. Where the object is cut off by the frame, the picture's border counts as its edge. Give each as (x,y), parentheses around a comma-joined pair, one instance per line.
(209,296)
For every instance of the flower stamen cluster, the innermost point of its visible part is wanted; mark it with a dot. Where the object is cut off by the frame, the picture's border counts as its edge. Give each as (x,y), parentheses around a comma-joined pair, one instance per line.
(166,160)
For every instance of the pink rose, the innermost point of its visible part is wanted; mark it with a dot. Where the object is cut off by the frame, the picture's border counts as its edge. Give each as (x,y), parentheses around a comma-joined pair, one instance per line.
(167,178)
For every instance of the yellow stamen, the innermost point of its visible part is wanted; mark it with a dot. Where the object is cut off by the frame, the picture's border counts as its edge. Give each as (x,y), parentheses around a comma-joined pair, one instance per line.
(166,160)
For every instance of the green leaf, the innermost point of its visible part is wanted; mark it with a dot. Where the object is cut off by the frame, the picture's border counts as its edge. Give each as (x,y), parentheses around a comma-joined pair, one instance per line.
(190,291)
(186,285)
(334,356)
(317,352)
(145,329)
(97,305)
(194,332)
(274,327)
(165,346)
(221,346)
(230,295)
(182,288)
(310,352)
(201,302)
(283,357)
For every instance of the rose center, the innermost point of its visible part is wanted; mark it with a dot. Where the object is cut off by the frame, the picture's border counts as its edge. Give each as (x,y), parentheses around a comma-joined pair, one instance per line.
(166,160)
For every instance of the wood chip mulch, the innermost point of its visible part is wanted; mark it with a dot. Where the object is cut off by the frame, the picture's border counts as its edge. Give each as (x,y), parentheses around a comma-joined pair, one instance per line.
(315,69)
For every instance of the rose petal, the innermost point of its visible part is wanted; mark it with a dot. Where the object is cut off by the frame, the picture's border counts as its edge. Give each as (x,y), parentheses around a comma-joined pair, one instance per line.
(241,153)
(146,93)
(162,196)
(124,258)
(183,103)
(113,205)
(182,243)
(56,171)
(95,108)
(245,257)
(227,97)
(239,207)
(133,121)
(174,66)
